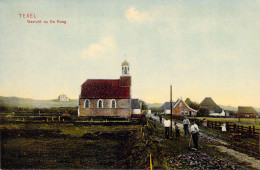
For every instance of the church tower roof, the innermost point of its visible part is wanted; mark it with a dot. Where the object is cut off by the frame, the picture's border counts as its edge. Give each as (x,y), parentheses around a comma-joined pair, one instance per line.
(125,63)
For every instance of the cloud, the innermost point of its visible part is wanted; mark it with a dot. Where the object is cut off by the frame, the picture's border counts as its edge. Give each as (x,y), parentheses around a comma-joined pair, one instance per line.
(105,47)
(134,15)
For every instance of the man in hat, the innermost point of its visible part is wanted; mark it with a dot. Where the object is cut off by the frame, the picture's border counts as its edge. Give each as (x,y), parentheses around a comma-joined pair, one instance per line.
(186,124)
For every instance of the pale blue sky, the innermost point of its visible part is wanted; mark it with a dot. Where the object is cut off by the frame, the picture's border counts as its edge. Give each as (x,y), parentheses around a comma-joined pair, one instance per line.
(203,48)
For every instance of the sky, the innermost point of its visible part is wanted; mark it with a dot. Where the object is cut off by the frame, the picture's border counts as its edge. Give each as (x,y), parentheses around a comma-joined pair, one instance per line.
(202,48)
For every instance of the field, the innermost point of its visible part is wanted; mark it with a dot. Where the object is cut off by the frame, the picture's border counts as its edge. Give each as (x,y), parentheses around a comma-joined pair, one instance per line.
(43,145)
(245,121)
(65,145)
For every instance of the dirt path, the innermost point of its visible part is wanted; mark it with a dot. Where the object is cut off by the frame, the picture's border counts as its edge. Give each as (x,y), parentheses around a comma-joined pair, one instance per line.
(221,145)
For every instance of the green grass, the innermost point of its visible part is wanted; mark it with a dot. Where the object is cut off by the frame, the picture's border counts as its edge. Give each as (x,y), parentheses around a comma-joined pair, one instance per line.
(233,120)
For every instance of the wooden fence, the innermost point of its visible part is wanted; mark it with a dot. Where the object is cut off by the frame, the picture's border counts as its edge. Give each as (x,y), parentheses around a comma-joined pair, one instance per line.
(247,131)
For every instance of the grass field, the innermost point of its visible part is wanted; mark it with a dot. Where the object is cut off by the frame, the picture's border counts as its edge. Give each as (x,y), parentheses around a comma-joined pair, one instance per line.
(60,145)
(233,120)
(66,145)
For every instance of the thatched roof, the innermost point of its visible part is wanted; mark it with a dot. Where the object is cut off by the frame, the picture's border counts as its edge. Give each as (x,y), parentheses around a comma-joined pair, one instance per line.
(210,105)
(246,110)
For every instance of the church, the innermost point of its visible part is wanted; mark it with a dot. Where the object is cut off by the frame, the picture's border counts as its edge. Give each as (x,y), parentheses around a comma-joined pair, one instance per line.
(107,97)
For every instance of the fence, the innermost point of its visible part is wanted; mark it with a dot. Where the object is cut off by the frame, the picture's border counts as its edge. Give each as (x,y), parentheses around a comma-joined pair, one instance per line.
(248,131)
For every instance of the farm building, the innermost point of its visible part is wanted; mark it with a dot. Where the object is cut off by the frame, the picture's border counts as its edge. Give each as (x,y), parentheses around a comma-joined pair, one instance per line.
(179,108)
(246,112)
(210,105)
(107,97)
(136,106)
(63,98)
(139,107)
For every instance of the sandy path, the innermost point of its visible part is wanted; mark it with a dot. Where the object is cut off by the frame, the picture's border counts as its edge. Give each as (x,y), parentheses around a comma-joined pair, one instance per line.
(238,155)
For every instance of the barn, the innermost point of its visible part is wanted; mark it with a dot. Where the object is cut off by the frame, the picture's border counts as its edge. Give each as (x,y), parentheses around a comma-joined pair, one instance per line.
(245,111)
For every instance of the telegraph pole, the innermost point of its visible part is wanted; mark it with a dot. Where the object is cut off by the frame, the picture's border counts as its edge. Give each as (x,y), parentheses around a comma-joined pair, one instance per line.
(171,106)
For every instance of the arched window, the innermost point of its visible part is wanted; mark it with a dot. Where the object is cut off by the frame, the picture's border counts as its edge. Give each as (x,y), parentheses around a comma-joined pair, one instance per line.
(125,70)
(100,104)
(86,103)
(113,104)
(180,104)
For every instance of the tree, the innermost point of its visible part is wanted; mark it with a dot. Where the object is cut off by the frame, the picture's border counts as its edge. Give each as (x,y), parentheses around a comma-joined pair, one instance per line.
(194,105)
(203,112)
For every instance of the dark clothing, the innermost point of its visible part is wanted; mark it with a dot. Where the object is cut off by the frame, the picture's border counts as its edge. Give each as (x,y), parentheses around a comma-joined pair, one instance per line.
(186,129)
(195,138)
(167,132)
(177,133)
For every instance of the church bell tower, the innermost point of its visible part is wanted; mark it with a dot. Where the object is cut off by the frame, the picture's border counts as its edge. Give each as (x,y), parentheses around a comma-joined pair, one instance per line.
(125,78)
(125,68)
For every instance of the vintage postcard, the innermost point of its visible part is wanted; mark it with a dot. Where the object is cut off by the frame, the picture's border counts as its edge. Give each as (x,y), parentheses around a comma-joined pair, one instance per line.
(134,84)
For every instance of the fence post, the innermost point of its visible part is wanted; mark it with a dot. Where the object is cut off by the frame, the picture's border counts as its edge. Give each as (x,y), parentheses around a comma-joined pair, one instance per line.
(250,131)
(151,163)
(253,130)
(59,118)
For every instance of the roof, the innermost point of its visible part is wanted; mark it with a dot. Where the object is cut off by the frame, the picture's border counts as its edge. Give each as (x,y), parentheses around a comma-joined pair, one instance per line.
(125,63)
(246,110)
(167,105)
(104,89)
(135,104)
(209,104)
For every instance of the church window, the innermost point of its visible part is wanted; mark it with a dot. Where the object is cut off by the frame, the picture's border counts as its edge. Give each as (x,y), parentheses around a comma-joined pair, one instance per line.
(113,104)
(100,104)
(86,103)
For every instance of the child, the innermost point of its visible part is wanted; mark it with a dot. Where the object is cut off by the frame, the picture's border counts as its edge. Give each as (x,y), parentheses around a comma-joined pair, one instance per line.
(177,131)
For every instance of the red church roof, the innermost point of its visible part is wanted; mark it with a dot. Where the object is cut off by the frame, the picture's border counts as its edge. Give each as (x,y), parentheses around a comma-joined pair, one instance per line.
(104,89)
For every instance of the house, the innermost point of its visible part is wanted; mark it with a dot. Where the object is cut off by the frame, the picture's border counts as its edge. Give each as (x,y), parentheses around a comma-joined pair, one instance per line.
(107,97)
(210,105)
(136,106)
(179,108)
(244,111)
(63,98)
(139,108)
(223,113)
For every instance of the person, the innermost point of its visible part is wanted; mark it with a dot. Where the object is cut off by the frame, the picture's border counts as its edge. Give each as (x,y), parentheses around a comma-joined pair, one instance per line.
(195,134)
(186,124)
(204,123)
(177,131)
(167,125)
(160,116)
(223,127)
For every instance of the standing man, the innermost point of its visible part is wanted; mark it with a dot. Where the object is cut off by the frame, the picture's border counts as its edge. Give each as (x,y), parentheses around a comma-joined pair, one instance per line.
(195,134)
(186,124)
(167,125)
